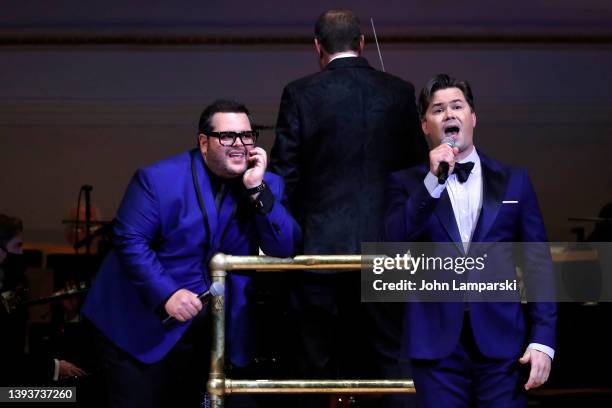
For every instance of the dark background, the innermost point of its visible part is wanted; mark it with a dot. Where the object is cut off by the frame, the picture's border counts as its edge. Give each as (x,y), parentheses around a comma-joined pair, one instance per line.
(91,90)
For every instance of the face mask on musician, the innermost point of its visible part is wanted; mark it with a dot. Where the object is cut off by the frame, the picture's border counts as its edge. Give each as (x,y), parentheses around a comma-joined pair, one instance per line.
(14,267)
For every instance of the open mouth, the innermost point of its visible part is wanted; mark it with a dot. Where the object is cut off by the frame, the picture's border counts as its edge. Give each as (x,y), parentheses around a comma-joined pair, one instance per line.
(236,154)
(451,131)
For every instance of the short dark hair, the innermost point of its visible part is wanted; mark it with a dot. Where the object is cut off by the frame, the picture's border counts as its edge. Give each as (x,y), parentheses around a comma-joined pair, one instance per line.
(220,106)
(443,81)
(337,31)
(9,228)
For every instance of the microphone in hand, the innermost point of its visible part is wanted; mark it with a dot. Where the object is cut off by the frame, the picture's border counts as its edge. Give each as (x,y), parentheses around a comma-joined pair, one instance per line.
(216,289)
(443,166)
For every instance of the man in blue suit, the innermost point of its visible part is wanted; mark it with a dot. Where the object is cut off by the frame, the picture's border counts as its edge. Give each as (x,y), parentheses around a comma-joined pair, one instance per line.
(174,216)
(469,354)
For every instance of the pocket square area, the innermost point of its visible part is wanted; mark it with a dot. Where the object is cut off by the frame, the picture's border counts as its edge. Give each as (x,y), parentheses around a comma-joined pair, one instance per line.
(510,202)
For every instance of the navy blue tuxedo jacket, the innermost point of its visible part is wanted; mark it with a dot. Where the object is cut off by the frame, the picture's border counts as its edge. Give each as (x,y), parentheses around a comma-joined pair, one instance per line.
(161,245)
(501,329)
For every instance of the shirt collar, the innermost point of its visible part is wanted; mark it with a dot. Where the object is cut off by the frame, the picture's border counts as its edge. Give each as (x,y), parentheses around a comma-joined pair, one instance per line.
(344,54)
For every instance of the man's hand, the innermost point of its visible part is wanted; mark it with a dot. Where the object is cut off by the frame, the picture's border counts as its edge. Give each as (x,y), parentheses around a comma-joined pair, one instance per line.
(67,370)
(258,161)
(540,367)
(183,305)
(442,153)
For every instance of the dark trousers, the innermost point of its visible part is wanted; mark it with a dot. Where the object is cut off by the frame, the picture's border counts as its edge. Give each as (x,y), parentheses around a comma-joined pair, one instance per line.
(178,380)
(466,378)
(330,324)
(338,336)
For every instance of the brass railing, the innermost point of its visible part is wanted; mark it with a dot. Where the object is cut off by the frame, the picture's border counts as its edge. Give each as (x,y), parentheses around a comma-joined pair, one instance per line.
(219,385)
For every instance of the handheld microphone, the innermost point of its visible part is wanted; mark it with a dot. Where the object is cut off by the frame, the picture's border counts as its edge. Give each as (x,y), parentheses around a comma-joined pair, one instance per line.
(216,289)
(443,166)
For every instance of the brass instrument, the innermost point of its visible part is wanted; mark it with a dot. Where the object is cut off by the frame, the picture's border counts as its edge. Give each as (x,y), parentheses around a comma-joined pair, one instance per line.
(17,298)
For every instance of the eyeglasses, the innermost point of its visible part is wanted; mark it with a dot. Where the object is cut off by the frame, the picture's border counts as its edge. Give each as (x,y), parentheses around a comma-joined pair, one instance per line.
(247,137)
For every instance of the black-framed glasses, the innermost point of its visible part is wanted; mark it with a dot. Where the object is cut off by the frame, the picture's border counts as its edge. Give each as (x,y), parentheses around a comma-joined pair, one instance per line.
(247,137)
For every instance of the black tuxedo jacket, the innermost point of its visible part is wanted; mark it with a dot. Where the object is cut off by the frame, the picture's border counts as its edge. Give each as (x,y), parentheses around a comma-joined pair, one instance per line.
(339,134)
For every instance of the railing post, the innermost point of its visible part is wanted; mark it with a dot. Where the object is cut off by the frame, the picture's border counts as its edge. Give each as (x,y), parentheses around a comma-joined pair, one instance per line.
(216,380)
(218,386)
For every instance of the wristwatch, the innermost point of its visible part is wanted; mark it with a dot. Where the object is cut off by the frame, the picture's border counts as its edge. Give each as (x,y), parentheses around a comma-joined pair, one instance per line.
(265,200)
(258,189)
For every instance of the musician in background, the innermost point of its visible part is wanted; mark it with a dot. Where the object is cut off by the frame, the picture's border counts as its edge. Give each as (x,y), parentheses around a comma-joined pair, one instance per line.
(19,368)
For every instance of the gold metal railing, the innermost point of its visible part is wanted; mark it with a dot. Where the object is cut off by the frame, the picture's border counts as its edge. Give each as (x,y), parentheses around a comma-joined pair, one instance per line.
(219,385)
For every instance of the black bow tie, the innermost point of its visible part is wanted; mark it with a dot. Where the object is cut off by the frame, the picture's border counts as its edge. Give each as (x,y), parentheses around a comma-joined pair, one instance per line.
(463,170)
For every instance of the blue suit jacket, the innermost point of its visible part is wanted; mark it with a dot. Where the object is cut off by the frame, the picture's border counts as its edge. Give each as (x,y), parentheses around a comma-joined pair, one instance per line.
(501,330)
(161,246)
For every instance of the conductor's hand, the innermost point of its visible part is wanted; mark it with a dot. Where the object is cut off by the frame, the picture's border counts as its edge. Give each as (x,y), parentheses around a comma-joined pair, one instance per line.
(183,305)
(540,367)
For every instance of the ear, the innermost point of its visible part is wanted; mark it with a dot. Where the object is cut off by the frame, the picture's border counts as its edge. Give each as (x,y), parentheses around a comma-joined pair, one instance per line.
(203,142)
(321,54)
(317,45)
(361,43)
(425,127)
(474,118)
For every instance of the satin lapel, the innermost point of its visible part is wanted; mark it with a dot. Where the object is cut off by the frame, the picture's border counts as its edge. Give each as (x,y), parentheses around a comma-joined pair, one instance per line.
(444,212)
(494,184)
(207,196)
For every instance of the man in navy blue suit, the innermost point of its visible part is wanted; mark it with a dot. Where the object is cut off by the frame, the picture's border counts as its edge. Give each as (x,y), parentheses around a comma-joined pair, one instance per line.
(174,216)
(469,354)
